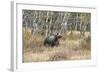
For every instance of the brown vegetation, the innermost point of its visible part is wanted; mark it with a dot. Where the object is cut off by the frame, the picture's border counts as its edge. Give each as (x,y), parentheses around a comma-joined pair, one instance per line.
(72,47)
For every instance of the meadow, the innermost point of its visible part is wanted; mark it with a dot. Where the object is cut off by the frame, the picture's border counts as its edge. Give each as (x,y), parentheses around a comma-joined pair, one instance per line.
(72,47)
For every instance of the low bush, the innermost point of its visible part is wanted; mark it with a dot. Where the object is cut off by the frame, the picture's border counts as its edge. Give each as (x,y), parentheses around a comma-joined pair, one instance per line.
(61,55)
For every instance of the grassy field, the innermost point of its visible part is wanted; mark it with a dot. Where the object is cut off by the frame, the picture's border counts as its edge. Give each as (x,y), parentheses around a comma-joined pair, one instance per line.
(71,47)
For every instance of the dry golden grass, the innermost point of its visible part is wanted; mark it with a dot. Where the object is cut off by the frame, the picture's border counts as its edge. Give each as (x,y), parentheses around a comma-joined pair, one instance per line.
(71,47)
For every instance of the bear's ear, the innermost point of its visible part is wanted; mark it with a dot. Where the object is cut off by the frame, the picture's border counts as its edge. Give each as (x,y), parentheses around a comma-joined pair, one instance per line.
(57,33)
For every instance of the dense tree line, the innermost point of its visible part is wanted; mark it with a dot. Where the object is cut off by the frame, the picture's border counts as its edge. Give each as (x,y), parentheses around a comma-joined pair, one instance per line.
(51,22)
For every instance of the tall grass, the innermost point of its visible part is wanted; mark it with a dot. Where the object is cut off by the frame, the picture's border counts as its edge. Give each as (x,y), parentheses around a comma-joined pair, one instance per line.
(71,47)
